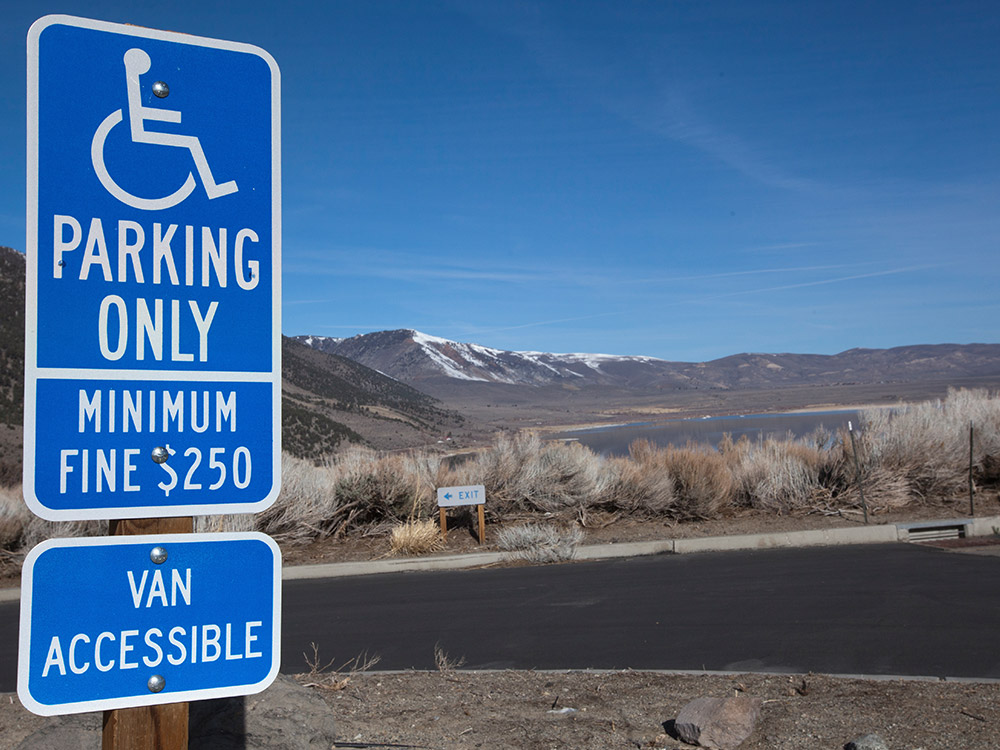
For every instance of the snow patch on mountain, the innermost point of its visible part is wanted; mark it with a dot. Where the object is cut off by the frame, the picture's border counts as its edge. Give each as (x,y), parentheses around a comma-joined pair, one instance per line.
(487,364)
(432,346)
(593,361)
(317,342)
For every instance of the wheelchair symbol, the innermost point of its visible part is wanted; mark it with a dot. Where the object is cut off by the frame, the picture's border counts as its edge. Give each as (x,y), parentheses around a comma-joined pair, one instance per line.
(138,62)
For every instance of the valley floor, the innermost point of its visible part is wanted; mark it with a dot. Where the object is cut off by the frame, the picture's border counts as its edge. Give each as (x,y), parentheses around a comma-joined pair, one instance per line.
(492,407)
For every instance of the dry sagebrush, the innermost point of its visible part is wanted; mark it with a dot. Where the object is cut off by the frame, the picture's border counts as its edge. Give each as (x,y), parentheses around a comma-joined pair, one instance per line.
(928,443)
(355,489)
(523,473)
(913,453)
(780,476)
(540,543)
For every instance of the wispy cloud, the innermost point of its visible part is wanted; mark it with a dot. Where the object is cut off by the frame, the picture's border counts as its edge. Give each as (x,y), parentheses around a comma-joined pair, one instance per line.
(407,265)
(746,272)
(639,90)
(380,264)
(711,297)
(421,267)
(677,118)
(820,282)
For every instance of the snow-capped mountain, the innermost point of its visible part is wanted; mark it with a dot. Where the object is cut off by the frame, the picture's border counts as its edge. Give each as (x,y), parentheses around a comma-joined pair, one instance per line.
(418,358)
(412,356)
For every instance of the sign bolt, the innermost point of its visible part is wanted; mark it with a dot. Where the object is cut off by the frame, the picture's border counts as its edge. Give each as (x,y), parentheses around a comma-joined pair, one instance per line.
(160,454)
(156,683)
(161,90)
(158,555)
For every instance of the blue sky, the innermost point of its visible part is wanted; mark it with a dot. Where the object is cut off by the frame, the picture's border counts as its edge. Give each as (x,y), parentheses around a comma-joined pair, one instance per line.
(684,180)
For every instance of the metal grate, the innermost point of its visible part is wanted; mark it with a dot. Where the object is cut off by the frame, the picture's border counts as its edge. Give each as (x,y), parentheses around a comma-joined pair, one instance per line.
(929,533)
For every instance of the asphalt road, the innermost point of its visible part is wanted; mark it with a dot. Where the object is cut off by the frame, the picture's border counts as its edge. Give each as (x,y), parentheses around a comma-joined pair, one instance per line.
(874,609)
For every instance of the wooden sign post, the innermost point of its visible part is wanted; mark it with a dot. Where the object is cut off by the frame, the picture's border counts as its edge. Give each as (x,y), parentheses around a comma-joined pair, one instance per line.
(163,727)
(450,497)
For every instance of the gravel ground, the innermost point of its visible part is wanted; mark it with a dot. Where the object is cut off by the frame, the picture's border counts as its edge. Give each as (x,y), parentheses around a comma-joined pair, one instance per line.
(456,710)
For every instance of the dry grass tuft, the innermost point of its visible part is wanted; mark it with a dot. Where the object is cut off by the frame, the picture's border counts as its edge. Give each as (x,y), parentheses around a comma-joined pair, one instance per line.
(416,537)
(322,676)
(445,663)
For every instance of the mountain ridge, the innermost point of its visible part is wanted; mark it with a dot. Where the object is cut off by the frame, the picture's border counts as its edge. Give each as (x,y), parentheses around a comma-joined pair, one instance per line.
(421,359)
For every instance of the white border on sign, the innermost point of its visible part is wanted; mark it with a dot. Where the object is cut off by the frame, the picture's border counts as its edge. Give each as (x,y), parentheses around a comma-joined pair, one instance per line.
(166,510)
(151,699)
(32,373)
(454,503)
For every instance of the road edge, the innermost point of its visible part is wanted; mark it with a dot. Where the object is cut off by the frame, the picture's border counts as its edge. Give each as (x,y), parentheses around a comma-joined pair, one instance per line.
(879,534)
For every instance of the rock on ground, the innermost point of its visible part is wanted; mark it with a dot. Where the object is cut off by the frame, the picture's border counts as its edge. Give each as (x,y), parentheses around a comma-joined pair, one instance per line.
(286,716)
(717,723)
(868,742)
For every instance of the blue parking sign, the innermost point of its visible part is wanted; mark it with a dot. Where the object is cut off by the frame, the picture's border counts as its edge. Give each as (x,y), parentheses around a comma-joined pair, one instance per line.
(119,622)
(153,274)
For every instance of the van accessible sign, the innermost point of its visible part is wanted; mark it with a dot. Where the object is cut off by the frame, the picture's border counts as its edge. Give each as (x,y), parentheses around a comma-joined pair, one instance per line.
(118,622)
(153,274)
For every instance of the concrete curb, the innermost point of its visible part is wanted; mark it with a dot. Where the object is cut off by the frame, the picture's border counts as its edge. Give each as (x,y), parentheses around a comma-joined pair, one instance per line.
(881,534)
(704,673)
(807,538)
(340,570)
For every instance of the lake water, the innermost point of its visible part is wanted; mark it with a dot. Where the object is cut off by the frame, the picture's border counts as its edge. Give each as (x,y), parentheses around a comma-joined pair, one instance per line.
(614,440)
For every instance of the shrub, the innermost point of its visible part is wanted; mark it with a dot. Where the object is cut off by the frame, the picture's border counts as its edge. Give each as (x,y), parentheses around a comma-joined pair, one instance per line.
(229,522)
(639,488)
(780,476)
(540,543)
(355,489)
(524,473)
(37,530)
(307,508)
(923,448)
(703,483)
(381,485)
(14,518)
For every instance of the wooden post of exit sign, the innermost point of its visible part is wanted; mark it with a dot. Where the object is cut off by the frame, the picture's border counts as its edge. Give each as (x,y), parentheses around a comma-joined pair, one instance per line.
(450,497)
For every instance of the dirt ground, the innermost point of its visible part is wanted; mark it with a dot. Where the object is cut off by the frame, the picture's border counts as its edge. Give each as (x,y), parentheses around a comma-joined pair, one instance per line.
(455,710)
(538,711)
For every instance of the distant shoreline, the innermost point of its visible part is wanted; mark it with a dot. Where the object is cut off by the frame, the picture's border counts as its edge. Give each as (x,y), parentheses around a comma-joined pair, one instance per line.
(544,430)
